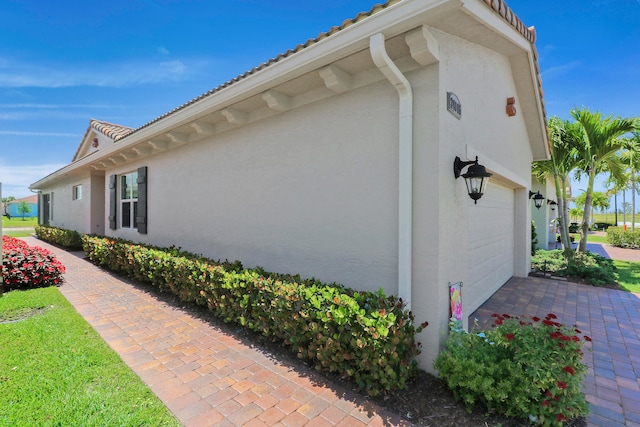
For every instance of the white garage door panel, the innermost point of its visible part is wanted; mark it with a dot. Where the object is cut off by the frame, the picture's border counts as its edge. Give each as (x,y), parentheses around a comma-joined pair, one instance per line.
(491,244)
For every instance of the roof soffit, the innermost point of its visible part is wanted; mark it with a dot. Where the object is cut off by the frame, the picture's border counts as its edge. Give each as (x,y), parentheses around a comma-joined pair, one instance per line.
(242,100)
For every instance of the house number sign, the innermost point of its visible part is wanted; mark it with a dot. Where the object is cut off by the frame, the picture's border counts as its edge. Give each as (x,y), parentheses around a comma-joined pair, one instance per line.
(453,105)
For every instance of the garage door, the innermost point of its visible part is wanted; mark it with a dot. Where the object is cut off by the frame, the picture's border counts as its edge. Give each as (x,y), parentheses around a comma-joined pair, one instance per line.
(491,244)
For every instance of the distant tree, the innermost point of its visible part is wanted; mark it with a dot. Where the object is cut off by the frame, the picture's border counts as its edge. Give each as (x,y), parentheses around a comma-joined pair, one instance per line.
(5,203)
(575,214)
(599,201)
(24,208)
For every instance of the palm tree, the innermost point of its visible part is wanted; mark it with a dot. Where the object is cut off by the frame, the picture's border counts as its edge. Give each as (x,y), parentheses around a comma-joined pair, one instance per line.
(599,153)
(631,158)
(564,137)
(599,200)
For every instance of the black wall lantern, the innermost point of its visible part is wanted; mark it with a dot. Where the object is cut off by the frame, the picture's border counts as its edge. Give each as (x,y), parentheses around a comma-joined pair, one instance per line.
(537,198)
(476,177)
(552,204)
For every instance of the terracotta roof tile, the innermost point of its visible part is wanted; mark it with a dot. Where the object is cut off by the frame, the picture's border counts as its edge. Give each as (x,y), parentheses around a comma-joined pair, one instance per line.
(111,130)
(499,6)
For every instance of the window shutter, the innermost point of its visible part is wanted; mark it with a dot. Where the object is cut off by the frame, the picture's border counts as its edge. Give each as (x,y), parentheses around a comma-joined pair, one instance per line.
(113,201)
(141,217)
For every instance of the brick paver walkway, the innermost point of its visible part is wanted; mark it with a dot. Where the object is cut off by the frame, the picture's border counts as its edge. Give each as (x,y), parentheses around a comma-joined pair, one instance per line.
(207,377)
(611,318)
(204,376)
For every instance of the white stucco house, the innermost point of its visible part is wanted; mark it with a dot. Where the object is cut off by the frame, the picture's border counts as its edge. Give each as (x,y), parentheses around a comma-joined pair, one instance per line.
(335,160)
(545,216)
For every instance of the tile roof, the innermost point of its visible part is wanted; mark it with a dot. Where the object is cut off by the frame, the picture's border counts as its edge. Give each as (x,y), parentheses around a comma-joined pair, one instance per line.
(499,6)
(111,130)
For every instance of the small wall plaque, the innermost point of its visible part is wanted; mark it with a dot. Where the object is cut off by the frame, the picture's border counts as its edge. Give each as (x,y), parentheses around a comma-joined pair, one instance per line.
(453,105)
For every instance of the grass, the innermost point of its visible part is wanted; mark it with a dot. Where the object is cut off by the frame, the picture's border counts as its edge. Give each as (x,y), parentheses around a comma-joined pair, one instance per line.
(19,222)
(592,238)
(628,275)
(55,370)
(17,233)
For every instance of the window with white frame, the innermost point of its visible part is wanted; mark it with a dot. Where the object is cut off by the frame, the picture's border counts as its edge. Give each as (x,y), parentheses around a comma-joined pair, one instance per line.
(128,200)
(77,192)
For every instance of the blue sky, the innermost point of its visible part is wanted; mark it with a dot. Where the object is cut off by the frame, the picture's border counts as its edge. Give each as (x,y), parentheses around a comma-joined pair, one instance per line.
(130,61)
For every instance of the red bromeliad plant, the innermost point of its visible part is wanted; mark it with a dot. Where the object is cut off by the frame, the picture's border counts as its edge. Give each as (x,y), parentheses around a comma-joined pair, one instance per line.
(524,367)
(26,267)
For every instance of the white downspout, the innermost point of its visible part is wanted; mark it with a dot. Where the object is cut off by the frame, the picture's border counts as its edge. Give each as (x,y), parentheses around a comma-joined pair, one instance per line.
(405,166)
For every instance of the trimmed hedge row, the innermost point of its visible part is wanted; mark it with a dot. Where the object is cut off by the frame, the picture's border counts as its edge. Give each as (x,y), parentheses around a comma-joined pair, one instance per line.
(365,336)
(68,239)
(618,236)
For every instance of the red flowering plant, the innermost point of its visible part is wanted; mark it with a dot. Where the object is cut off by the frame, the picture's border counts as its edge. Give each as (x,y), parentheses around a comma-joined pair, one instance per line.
(523,368)
(26,267)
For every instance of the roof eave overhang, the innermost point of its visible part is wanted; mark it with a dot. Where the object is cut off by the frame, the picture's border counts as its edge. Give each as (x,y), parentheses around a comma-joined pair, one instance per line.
(398,18)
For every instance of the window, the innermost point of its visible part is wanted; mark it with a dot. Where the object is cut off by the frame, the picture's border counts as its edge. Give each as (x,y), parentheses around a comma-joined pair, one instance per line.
(129,200)
(77,192)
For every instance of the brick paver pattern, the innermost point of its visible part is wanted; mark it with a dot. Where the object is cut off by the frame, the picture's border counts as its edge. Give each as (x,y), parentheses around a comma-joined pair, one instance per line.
(203,375)
(207,377)
(610,317)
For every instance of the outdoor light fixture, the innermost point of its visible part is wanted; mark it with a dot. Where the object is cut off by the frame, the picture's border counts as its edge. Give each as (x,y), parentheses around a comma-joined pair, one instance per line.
(537,198)
(476,177)
(552,204)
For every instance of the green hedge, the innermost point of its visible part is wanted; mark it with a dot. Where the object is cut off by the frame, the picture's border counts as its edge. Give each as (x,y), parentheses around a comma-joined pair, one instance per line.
(365,336)
(68,239)
(618,236)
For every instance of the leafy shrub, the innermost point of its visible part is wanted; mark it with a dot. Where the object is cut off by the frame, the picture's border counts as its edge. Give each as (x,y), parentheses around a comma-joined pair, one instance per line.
(523,368)
(68,239)
(593,268)
(26,267)
(574,227)
(618,236)
(365,336)
(548,261)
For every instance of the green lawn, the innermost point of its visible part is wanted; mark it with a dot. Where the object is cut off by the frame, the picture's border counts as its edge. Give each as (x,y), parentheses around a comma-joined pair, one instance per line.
(55,370)
(628,275)
(18,222)
(592,238)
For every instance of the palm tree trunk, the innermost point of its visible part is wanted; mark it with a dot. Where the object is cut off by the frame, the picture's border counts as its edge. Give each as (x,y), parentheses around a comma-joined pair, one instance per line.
(633,199)
(584,232)
(563,215)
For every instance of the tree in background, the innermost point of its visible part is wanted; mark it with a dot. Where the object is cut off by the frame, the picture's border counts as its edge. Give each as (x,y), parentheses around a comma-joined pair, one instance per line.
(599,201)
(631,159)
(24,208)
(5,204)
(599,153)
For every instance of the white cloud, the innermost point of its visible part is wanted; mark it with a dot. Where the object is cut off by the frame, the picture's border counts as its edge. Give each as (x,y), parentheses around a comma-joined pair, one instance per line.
(14,74)
(28,133)
(16,179)
(162,50)
(560,70)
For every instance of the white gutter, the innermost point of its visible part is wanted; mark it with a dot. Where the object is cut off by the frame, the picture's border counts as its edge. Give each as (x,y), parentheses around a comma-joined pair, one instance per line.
(405,163)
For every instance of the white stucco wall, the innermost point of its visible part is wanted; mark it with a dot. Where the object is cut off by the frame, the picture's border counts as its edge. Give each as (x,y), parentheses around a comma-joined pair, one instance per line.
(66,212)
(311,191)
(482,81)
(314,190)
